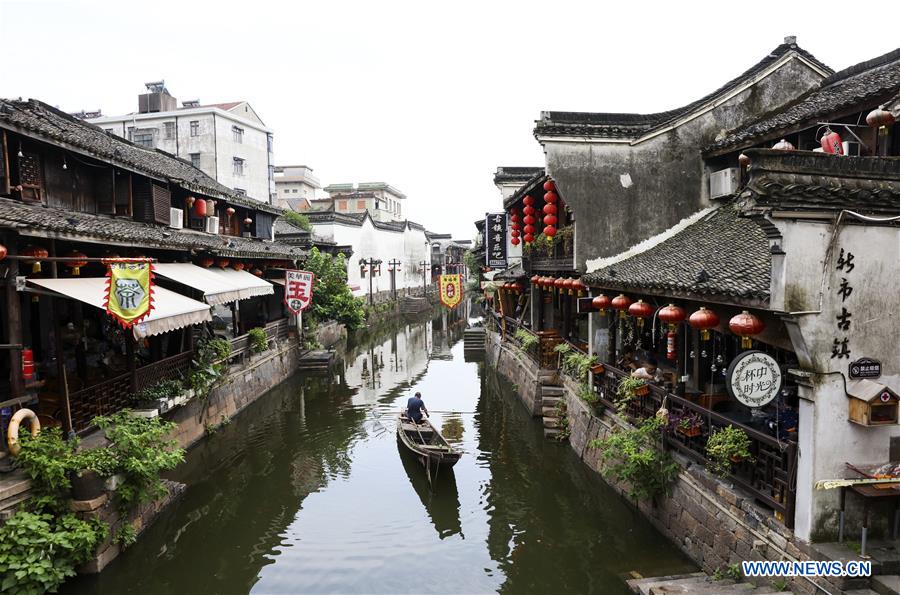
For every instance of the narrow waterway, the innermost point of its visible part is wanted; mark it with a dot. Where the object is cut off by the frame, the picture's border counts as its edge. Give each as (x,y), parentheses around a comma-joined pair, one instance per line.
(307,492)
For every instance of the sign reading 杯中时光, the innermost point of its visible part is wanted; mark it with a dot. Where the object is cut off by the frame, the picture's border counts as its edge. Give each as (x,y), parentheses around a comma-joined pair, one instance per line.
(753,378)
(298,290)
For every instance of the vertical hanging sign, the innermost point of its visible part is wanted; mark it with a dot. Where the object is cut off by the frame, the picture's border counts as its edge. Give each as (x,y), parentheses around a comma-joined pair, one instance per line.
(495,240)
(129,290)
(298,290)
(451,290)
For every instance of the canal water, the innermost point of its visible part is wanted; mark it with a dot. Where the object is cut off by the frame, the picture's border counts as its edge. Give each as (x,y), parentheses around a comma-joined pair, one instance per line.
(307,492)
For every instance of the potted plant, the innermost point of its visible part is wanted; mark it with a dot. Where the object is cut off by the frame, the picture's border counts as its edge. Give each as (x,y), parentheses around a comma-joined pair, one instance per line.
(259,340)
(688,424)
(598,369)
(631,387)
(89,472)
(726,446)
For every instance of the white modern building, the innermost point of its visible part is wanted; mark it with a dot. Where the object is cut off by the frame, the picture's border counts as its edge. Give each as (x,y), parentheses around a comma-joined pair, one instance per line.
(228,141)
(295,187)
(382,201)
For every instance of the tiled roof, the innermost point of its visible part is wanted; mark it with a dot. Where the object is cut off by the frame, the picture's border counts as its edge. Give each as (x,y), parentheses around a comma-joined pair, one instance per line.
(722,255)
(863,85)
(285,227)
(54,126)
(358,219)
(32,219)
(516,174)
(613,125)
(533,184)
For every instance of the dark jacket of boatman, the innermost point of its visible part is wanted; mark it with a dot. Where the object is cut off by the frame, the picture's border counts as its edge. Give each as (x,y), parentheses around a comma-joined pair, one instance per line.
(414,407)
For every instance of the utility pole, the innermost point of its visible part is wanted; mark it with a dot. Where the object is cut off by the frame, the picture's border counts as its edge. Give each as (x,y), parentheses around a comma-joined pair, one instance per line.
(394,265)
(425,266)
(371,264)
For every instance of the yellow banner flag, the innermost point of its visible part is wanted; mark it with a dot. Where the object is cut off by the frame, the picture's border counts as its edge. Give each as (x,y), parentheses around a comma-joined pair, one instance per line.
(129,291)
(451,290)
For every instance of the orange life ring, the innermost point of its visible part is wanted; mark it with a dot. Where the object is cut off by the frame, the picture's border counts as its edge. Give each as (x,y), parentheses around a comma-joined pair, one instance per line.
(12,434)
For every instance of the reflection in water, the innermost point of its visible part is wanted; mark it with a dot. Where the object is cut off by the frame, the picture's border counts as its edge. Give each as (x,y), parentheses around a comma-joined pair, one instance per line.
(304,492)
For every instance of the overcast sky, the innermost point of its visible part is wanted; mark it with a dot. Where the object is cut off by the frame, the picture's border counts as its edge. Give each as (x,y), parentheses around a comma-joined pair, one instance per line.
(428,98)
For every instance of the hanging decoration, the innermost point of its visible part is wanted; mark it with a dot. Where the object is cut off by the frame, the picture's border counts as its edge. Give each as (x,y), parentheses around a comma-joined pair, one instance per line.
(534,281)
(76,265)
(671,315)
(248,221)
(207,262)
(703,320)
(640,310)
(621,303)
(129,291)
(450,290)
(559,284)
(783,145)
(745,325)
(298,290)
(199,207)
(36,254)
(831,142)
(222,263)
(529,219)
(550,208)
(880,118)
(601,303)
(579,287)
(516,287)
(256,272)
(743,160)
(3,252)
(237,265)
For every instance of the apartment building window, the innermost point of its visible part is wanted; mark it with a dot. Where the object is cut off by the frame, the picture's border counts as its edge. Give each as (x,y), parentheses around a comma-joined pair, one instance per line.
(238,166)
(130,134)
(170,130)
(108,130)
(240,192)
(238,134)
(143,138)
(269,142)
(195,160)
(195,128)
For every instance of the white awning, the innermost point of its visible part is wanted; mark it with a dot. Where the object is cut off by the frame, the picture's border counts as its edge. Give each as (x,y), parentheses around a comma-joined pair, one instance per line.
(171,310)
(248,285)
(215,288)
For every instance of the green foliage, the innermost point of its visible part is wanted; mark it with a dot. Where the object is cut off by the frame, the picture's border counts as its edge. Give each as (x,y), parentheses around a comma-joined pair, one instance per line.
(562,415)
(474,264)
(732,571)
(125,535)
(526,340)
(726,445)
(542,245)
(39,551)
(563,348)
(332,298)
(586,394)
(625,391)
(143,451)
(298,219)
(259,340)
(779,585)
(47,459)
(161,390)
(101,461)
(210,364)
(632,456)
(578,364)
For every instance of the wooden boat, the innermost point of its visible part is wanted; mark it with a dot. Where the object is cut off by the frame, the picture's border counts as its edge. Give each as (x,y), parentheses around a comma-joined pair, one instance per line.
(426,443)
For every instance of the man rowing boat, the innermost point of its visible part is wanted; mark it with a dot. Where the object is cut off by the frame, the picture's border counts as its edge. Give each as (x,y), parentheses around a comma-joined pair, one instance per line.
(414,408)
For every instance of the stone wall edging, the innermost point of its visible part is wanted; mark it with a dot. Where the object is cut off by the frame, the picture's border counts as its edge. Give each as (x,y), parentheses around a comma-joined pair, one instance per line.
(521,373)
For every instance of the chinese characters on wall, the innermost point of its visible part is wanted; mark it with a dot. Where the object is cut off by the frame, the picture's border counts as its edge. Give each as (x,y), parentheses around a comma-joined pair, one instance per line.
(495,240)
(840,348)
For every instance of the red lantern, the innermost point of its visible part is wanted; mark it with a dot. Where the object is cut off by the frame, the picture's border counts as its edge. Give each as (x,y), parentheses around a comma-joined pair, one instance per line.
(601,303)
(549,209)
(671,315)
(621,303)
(783,145)
(3,252)
(248,221)
(229,211)
(549,231)
(879,118)
(516,287)
(550,219)
(527,201)
(528,220)
(550,198)
(238,266)
(567,285)
(190,201)
(559,283)
(743,160)
(640,310)
(514,218)
(703,320)
(200,208)
(514,241)
(529,210)
(222,263)
(831,142)
(256,272)
(36,253)
(76,265)
(579,287)
(745,325)
(549,186)
(529,231)
(534,280)
(528,238)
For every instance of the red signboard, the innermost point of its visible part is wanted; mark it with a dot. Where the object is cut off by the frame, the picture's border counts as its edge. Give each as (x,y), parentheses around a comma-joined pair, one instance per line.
(298,290)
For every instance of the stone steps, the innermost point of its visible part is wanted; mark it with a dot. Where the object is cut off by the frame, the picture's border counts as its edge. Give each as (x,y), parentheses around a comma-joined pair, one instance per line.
(550,411)
(550,401)
(551,422)
(552,391)
(696,584)
(886,584)
(551,432)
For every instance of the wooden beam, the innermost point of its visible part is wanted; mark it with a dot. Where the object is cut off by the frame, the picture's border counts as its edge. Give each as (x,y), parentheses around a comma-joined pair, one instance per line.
(14,321)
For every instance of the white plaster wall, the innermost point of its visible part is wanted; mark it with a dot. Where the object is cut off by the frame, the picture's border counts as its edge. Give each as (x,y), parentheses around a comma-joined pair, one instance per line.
(827,438)
(391,364)
(253,149)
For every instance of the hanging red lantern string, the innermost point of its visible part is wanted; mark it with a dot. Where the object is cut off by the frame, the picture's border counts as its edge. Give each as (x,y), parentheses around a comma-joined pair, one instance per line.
(36,253)
(640,310)
(206,262)
(880,118)
(534,280)
(601,303)
(745,325)
(222,263)
(671,315)
(579,287)
(528,201)
(550,209)
(76,265)
(238,265)
(514,241)
(621,303)
(549,186)
(703,320)
(559,284)
(567,285)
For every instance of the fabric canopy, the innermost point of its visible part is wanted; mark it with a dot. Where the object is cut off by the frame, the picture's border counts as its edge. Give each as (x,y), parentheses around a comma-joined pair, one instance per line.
(215,288)
(248,285)
(171,310)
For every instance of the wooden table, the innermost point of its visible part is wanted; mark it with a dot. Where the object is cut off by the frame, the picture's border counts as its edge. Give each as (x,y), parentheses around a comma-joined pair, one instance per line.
(869,494)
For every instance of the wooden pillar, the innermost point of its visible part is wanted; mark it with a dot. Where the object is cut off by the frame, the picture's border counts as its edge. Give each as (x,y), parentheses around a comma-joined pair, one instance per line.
(14,319)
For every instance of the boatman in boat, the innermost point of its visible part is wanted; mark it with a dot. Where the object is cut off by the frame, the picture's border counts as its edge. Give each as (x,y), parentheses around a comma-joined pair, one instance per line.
(414,408)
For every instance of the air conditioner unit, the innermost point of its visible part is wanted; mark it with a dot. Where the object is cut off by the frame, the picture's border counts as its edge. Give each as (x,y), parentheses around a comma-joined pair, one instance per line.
(212,225)
(176,218)
(724,182)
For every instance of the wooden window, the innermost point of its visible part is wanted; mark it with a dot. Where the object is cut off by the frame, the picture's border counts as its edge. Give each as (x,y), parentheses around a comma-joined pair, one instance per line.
(162,202)
(30,177)
(123,193)
(238,166)
(195,128)
(142,199)
(4,164)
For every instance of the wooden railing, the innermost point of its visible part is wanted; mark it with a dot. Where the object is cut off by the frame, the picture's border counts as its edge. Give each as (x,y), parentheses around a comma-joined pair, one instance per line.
(240,346)
(770,476)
